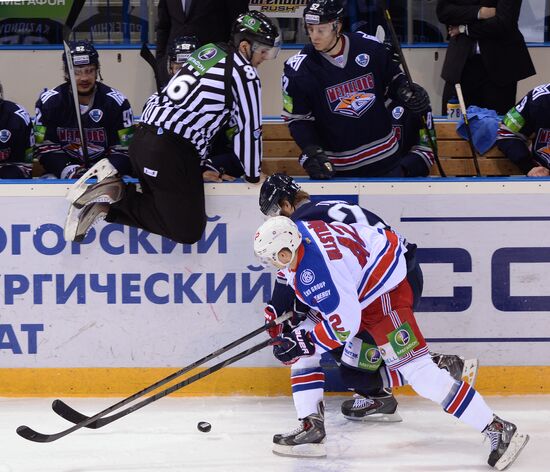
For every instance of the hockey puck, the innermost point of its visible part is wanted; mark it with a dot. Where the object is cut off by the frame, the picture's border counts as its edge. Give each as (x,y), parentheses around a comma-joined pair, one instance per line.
(204,426)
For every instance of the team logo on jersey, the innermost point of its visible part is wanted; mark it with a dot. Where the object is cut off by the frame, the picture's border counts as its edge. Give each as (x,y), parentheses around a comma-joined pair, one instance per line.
(307,277)
(96,115)
(397,112)
(207,54)
(5,135)
(362,59)
(96,141)
(352,98)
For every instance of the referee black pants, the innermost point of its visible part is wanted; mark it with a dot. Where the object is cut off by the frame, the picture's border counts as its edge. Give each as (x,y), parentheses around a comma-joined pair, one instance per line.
(171,202)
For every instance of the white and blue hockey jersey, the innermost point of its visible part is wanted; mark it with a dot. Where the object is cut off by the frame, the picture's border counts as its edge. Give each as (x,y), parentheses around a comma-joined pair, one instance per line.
(341,270)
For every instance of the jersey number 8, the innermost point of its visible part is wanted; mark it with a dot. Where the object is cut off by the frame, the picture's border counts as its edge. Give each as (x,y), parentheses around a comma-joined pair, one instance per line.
(178,88)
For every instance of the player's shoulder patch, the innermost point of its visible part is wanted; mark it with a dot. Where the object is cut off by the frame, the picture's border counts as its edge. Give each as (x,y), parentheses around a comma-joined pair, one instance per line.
(23,114)
(48,94)
(296,61)
(115,94)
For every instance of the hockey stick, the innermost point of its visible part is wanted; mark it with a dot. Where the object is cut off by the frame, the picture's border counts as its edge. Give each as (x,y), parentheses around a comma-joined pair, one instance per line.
(397,47)
(146,54)
(74,416)
(67,30)
(458,89)
(32,435)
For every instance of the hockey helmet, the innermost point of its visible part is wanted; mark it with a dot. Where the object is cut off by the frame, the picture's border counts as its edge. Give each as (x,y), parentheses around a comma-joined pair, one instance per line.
(259,30)
(274,189)
(275,234)
(181,48)
(83,53)
(318,12)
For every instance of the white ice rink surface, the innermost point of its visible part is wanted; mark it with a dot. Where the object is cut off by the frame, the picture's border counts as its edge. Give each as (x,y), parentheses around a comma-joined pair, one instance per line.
(163,437)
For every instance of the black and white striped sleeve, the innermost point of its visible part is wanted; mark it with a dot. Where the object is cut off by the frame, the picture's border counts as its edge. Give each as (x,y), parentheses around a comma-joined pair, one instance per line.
(247,113)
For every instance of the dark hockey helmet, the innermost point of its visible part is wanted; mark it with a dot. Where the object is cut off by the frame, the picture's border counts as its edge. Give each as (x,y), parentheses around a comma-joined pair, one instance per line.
(258,30)
(274,189)
(181,48)
(318,12)
(82,54)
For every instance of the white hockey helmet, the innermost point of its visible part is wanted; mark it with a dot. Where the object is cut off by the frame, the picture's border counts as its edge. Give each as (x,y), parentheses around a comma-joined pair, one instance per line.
(275,234)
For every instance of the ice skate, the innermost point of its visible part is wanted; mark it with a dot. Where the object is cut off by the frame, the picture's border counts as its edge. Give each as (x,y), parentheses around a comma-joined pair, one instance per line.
(506,443)
(381,407)
(458,367)
(308,440)
(78,223)
(109,190)
(101,170)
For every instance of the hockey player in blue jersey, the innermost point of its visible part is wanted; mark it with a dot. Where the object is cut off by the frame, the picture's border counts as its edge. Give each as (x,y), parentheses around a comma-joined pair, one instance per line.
(281,195)
(16,140)
(528,120)
(334,92)
(106,116)
(355,277)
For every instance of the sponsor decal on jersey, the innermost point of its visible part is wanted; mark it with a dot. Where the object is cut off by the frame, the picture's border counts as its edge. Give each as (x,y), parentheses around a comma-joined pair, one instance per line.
(542,145)
(205,57)
(352,98)
(397,112)
(5,135)
(307,277)
(403,339)
(362,59)
(96,115)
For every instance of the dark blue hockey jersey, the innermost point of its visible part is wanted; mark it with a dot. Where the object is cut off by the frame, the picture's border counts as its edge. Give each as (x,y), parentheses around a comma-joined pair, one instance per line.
(108,124)
(16,137)
(339,105)
(529,119)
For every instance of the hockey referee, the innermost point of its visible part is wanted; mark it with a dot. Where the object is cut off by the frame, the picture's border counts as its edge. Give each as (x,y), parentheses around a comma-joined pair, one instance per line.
(217,85)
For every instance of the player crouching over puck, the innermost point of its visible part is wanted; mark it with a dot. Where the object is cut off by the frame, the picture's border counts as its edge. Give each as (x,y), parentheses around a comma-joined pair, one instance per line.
(361,285)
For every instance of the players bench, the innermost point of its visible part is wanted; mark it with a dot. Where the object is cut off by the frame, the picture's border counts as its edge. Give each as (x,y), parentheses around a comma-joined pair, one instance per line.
(281,153)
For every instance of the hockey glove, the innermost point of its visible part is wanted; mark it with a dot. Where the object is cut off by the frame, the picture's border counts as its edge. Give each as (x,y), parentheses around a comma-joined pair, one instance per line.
(288,348)
(316,163)
(414,98)
(299,313)
(394,55)
(271,315)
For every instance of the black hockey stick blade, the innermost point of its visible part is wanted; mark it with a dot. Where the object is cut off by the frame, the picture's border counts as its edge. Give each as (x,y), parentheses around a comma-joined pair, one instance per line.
(147,55)
(70,414)
(75,10)
(30,434)
(65,411)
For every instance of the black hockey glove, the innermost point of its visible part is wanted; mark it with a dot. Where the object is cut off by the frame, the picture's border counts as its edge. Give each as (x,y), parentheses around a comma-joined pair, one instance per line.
(288,348)
(393,53)
(316,163)
(299,313)
(414,98)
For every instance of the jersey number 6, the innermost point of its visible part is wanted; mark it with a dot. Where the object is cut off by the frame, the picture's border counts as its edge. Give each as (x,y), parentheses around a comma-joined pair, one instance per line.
(179,87)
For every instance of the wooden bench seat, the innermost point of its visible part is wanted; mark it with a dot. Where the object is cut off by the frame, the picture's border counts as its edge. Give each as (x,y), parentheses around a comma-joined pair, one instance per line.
(281,153)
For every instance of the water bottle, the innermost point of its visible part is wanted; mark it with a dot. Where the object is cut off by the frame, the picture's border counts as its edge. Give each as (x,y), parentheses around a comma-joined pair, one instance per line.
(453,109)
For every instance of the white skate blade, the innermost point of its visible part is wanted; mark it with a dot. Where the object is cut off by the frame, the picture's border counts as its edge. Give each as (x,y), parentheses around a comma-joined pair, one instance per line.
(101,170)
(469,371)
(517,443)
(71,224)
(378,418)
(301,450)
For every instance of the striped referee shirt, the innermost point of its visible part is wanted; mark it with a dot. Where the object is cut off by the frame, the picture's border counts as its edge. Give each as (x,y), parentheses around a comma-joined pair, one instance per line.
(214,87)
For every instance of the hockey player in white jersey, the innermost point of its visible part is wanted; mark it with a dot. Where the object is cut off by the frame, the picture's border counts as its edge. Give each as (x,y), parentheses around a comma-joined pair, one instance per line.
(371,379)
(355,276)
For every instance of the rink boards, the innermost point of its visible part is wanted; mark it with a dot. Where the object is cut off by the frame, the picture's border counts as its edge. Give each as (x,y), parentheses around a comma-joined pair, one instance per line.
(126,308)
